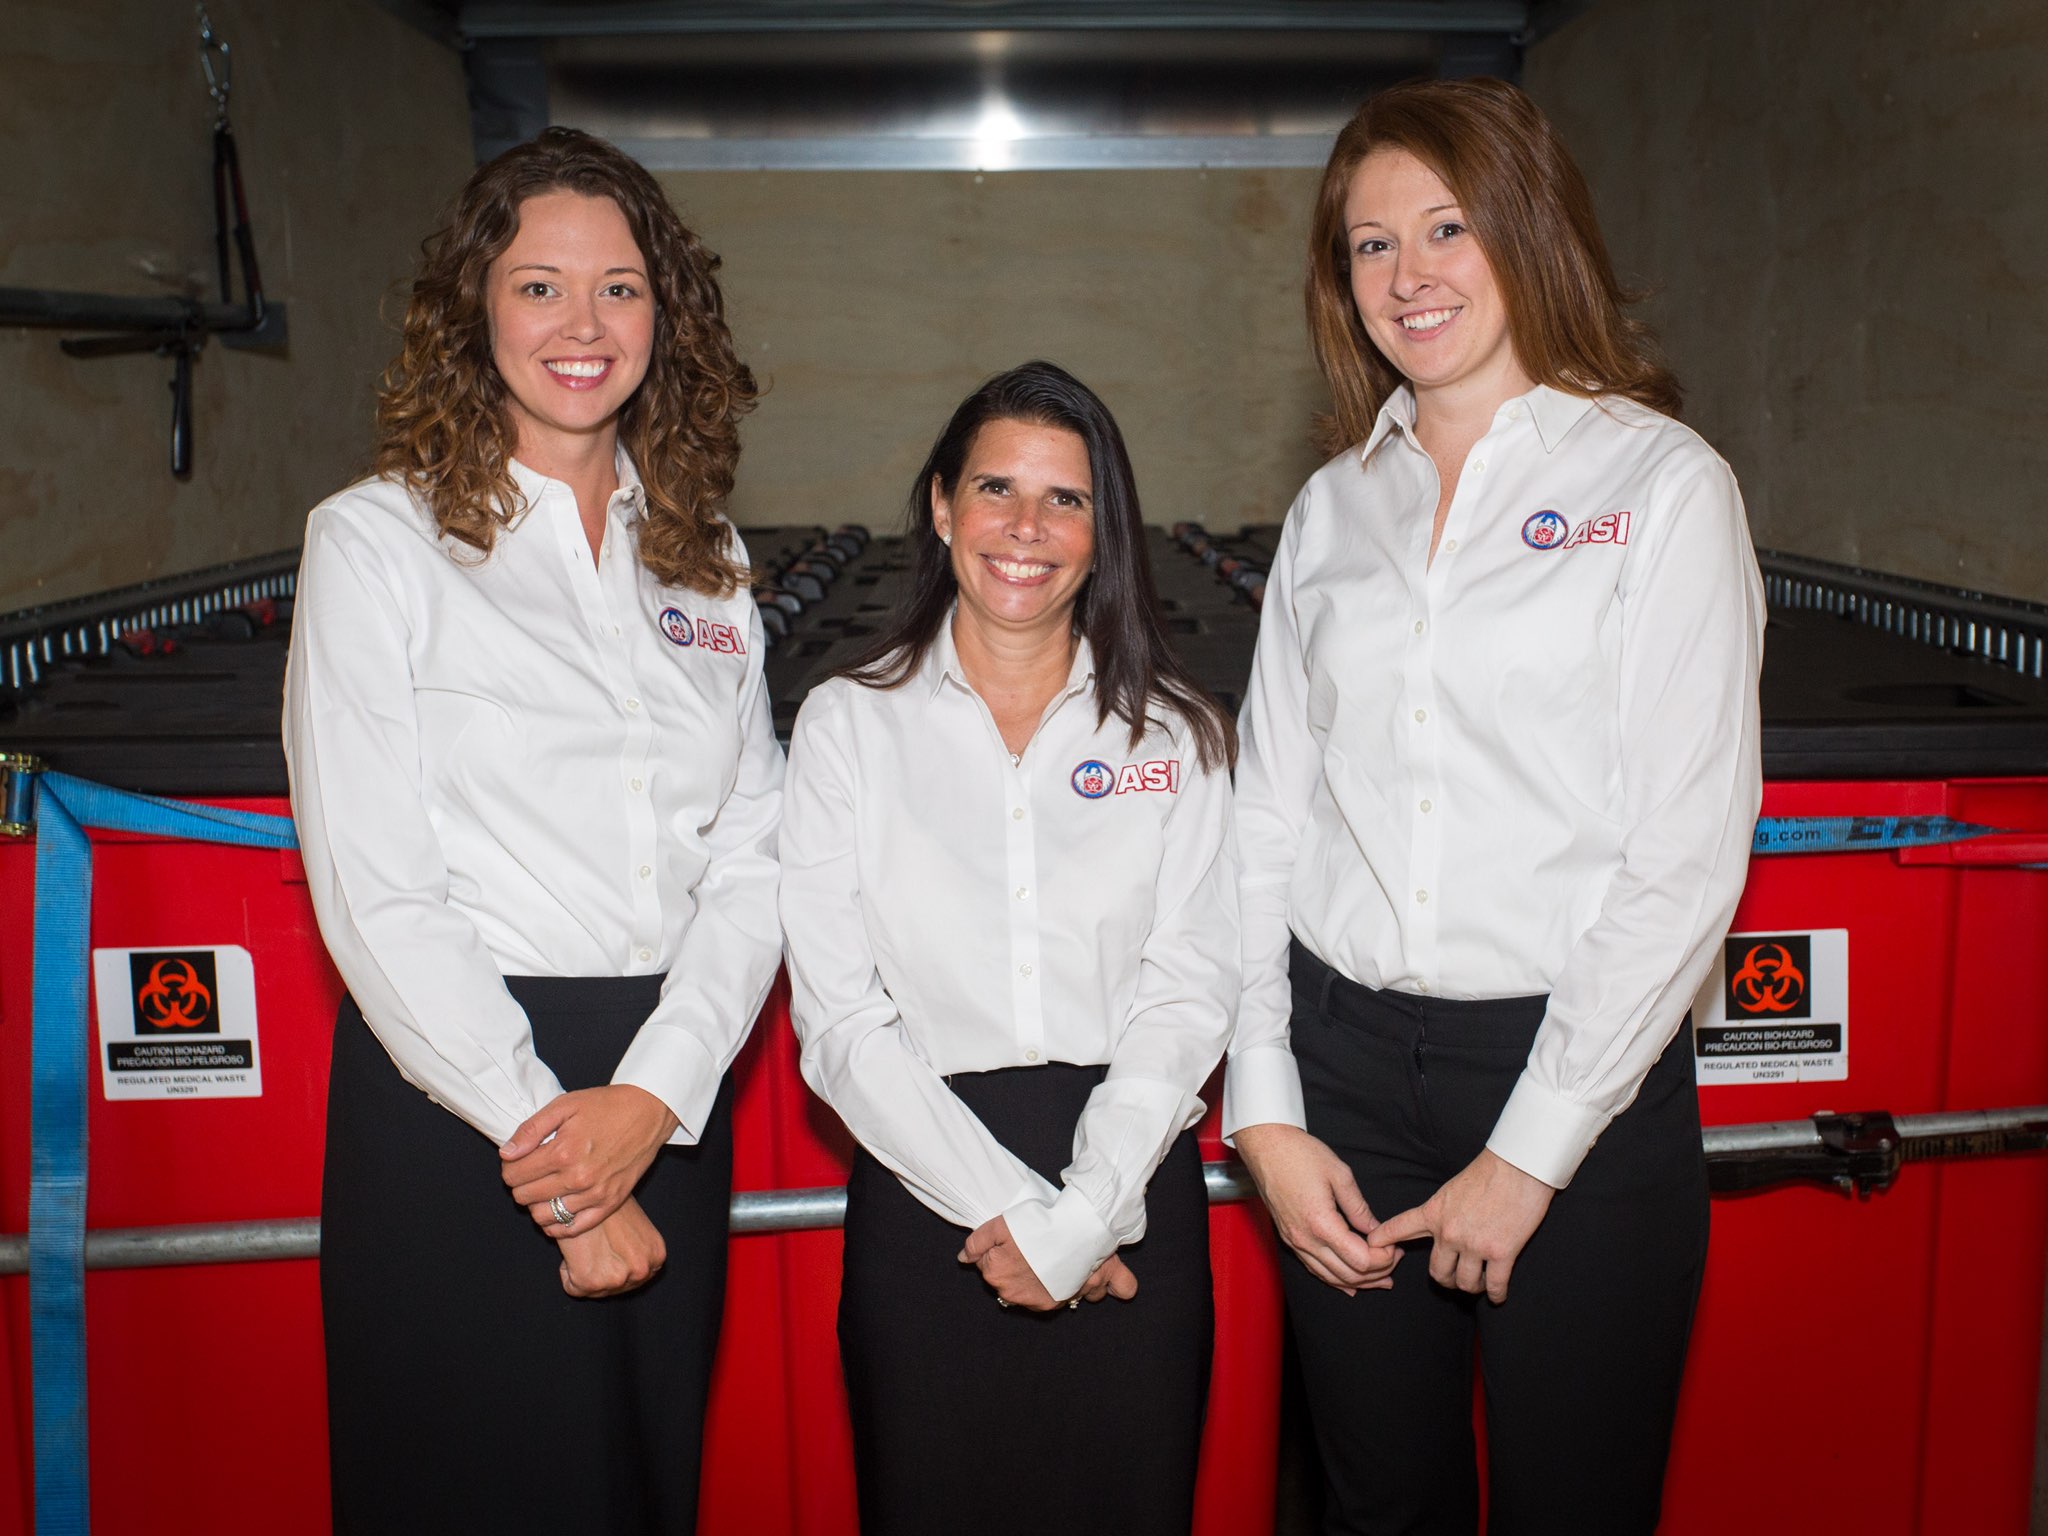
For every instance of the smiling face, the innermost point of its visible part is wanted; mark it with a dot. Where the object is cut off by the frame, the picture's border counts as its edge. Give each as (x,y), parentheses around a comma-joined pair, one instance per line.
(1022,524)
(572,321)
(1424,289)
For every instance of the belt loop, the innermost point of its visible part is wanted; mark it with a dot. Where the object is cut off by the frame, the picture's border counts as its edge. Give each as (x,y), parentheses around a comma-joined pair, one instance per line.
(1323,992)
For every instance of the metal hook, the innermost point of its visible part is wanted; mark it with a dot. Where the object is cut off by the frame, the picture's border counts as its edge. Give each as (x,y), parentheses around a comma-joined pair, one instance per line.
(221,81)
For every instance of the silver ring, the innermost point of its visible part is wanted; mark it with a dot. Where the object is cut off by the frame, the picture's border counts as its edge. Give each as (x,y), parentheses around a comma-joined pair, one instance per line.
(563,1216)
(1002,1303)
(1073,1302)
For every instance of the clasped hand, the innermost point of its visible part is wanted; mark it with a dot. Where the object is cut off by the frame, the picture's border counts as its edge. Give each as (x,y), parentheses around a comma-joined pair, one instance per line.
(620,1254)
(1480,1222)
(588,1149)
(991,1249)
(1317,1208)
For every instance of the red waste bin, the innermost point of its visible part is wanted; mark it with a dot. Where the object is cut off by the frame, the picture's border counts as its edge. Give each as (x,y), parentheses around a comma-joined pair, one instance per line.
(1872,1364)
(205,1383)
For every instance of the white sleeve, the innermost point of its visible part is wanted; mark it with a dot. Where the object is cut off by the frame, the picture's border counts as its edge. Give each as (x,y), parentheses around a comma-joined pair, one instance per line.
(1279,762)
(730,952)
(1692,618)
(417,968)
(856,1056)
(1179,1020)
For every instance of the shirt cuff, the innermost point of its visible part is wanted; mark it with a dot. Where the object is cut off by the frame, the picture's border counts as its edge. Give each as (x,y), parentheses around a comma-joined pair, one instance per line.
(1544,1134)
(672,1064)
(1062,1242)
(1262,1086)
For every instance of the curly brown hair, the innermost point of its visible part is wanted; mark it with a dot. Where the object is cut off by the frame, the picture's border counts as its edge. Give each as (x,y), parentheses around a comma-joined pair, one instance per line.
(442,424)
(1533,217)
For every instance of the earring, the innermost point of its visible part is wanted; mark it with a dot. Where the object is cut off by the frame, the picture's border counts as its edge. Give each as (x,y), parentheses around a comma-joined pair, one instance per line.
(946,539)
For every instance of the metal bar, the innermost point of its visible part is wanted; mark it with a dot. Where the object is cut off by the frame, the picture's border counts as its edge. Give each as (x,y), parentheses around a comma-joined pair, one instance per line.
(758,1212)
(1052,152)
(1801,1135)
(114,312)
(511,19)
(240,1242)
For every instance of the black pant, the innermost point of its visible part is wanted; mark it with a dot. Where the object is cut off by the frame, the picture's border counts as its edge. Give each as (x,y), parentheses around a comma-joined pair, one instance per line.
(971,1418)
(1581,1363)
(466,1390)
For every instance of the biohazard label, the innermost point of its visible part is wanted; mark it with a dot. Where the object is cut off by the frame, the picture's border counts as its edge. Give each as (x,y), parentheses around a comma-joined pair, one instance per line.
(1775,1009)
(177,1023)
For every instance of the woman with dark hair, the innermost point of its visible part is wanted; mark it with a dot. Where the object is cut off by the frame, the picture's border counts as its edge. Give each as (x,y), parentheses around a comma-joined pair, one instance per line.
(537,792)
(1013,949)
(1500,770)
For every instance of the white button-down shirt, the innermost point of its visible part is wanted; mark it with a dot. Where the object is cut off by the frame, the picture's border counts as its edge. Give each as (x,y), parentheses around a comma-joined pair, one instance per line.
(950,909)
(530,764)
(1528,766)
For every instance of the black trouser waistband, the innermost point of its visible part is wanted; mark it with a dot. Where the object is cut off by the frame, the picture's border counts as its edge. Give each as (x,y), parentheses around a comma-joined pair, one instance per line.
(1405,1015)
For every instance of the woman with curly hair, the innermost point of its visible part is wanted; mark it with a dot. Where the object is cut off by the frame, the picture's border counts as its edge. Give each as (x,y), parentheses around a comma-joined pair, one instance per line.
(537,792)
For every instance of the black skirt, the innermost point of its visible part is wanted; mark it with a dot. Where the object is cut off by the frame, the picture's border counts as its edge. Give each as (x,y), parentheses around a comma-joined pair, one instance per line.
(968,1416)
(466,1390)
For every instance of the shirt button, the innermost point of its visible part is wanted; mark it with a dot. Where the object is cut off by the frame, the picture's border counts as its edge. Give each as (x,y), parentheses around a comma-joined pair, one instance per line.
(1017,813)
(1422,986)
(646,872)
(1422,896)
(646,955)
(1023,891)
(1449,545)
(1024,970)
(1421,715)
(1418,626)
(635,785)
(632,703)
(1515,412)
(1479,466)
(1427,807)
(1031,1055)
(615,629)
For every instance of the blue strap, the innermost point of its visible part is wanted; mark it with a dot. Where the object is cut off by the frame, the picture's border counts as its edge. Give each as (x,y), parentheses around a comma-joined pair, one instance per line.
(1855,834)
(59,1073)
(119,810)
(56,1191)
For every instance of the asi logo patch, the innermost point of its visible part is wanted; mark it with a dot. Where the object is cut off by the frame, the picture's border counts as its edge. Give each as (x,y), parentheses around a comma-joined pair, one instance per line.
(1093,780)
(1768,976)
(1546,530)
(682,630)
(176,992)
(1549,530)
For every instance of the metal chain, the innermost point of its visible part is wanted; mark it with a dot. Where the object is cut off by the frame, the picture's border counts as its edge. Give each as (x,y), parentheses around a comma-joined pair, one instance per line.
(219,81)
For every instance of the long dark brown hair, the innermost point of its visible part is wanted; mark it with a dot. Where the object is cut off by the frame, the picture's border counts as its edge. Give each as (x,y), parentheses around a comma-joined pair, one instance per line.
(1117,608)
(442,423)
(1532,215)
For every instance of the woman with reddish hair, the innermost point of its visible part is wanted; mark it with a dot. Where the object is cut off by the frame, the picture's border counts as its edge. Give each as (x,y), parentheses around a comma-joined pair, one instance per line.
(537,792)
(1498,776)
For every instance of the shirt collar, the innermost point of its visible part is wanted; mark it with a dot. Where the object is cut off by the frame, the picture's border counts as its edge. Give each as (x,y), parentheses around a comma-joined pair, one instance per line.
(1553,411)
(1397,414)
(942,663)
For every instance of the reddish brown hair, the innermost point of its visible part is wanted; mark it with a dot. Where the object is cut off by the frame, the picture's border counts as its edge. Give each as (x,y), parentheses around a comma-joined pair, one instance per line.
(1532,215)
(442,425)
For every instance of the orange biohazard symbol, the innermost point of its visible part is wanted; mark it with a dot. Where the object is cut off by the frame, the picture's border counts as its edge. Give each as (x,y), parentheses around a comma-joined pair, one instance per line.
(174,997)
(1769,981)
